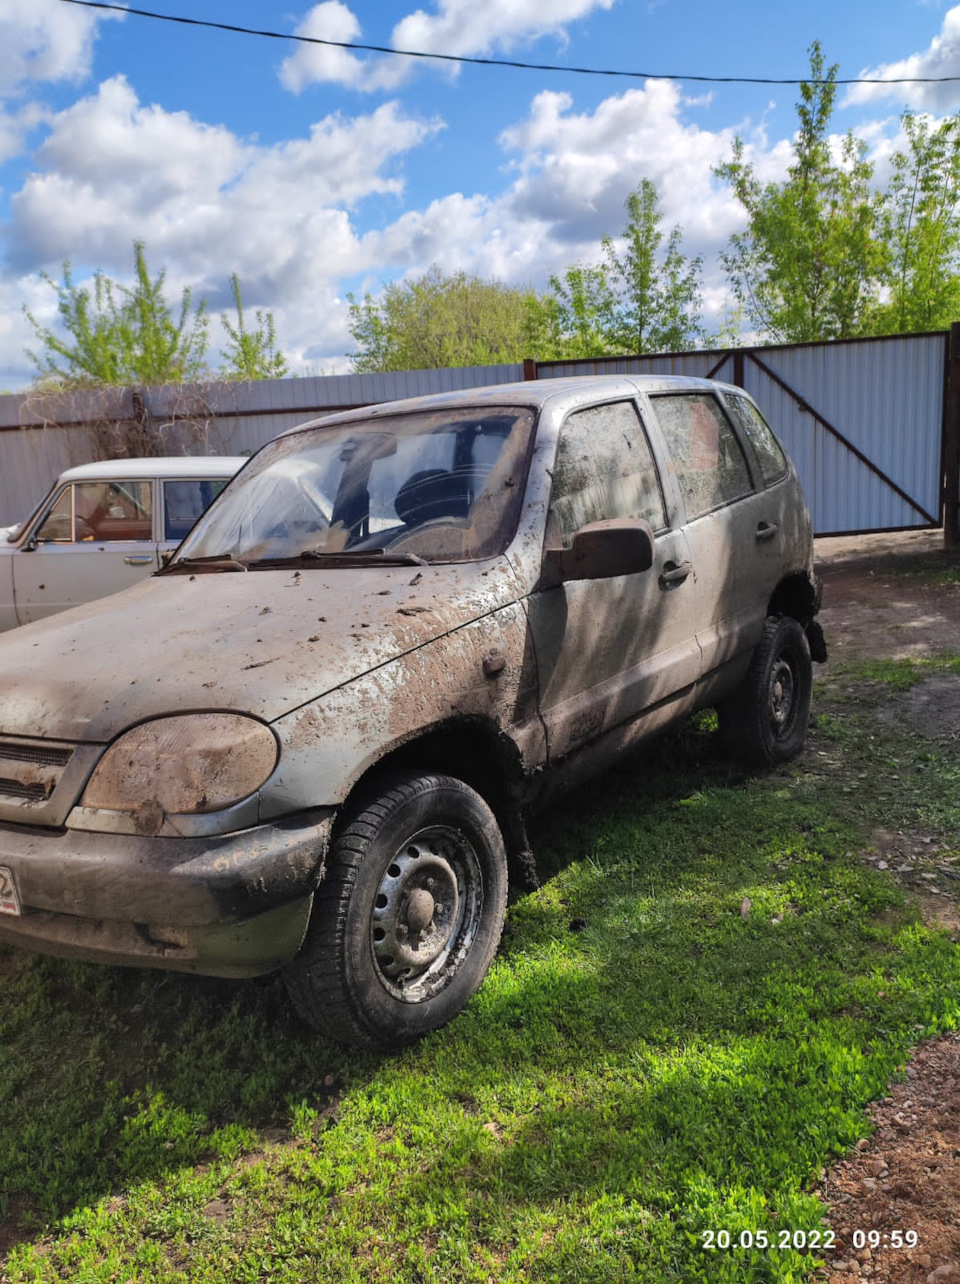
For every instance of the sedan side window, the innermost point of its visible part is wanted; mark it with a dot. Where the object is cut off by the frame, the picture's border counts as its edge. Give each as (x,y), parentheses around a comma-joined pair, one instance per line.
(184,501)
(117,510)
(710,464)
(604,468)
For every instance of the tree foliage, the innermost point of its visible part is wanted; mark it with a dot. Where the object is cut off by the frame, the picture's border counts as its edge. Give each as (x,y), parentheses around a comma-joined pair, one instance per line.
(809,263)
(658,292)
(920,230)
(434,321)
(131,336)
(250,354)
(642,297)
(123,335)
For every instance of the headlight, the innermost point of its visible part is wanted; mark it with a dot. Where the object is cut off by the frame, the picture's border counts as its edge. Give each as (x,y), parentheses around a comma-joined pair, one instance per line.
(199,762)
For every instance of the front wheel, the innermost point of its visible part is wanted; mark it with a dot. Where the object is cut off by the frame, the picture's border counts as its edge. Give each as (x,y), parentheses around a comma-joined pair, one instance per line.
(407,918)
(765,720)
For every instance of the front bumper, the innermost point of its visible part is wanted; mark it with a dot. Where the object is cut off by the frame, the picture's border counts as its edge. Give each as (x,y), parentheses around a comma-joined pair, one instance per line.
(232,905)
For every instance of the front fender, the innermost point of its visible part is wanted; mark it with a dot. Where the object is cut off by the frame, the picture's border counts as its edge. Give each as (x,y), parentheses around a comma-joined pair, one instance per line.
(483,670)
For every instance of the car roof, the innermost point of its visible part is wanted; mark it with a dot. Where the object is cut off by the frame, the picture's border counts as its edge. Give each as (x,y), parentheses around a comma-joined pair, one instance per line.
(173,466)
(569,391)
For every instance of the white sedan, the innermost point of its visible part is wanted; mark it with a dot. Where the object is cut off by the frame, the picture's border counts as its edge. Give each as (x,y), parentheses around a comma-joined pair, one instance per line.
(102,527)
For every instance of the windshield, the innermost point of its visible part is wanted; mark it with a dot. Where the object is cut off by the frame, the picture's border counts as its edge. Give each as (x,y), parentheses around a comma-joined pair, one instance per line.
(443,486)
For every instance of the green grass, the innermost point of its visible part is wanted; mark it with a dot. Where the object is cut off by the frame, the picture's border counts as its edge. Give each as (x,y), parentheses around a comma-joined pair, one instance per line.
(937,572)
(740,986)
(897,675)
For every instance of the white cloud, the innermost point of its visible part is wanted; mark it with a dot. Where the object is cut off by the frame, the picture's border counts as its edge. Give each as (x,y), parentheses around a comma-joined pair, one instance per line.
(465,27)
(208,203)
(113,170)
(43,40)
(461,27)
(314,64)
(576,170)
(942,58)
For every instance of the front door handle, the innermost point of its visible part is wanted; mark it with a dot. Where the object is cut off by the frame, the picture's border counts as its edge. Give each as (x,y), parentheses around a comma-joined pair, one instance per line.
(674,573)
(766,530)
(139,559)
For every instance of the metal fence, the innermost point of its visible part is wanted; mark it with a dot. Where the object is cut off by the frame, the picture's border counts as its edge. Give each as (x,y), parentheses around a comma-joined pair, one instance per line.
(872,424)
(42,434)
(863,419)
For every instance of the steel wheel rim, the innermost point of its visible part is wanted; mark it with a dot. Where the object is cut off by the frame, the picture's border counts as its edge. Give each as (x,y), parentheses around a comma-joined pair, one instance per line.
(783,696)
(426,913)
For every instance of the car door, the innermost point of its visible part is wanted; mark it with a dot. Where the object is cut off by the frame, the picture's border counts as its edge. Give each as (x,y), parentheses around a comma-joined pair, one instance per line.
(610,651)
(735,531)
(95,538)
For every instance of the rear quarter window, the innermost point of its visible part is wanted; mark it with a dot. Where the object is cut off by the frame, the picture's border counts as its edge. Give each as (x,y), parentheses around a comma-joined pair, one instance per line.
(708,459)
(772,460)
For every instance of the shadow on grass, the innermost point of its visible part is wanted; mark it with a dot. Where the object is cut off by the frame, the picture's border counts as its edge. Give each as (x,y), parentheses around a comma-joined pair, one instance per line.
(676,1047)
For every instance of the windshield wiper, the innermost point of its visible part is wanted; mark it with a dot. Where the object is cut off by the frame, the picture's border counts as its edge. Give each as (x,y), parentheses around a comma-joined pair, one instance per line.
(214,562)
(346,557)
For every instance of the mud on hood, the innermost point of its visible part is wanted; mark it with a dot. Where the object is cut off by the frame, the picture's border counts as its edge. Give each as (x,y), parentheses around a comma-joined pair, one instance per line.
(264,642)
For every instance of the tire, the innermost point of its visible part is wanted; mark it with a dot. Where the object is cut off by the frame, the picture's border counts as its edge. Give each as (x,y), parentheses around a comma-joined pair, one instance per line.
(408,916)
(765,721)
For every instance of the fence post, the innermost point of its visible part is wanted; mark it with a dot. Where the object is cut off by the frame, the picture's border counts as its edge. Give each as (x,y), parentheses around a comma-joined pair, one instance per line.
(951,445)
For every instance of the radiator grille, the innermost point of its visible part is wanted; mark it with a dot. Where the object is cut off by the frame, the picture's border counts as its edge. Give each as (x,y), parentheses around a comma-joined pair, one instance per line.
(26,793)
(30,773)
(39,754)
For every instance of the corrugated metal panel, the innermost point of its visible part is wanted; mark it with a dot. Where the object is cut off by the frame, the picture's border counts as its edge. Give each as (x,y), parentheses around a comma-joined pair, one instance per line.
(225,418)
(884,396)
(694,364)
(29,462)
(886,399)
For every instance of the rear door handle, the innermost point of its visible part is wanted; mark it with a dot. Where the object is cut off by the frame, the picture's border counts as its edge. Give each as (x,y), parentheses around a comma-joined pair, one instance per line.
(674,573)
(139,559)
(766,530)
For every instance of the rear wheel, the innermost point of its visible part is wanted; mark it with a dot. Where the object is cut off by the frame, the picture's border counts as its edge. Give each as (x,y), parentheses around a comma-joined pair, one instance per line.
(765,721)
(407,918)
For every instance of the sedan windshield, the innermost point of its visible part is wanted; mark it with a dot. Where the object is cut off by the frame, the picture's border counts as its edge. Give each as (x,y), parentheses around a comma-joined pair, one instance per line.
(443,486)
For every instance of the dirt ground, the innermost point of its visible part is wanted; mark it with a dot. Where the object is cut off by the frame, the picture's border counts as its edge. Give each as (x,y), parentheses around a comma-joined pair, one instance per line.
(885,597)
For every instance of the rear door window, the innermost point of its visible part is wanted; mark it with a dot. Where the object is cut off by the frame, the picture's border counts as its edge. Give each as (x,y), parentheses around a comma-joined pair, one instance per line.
(184,501)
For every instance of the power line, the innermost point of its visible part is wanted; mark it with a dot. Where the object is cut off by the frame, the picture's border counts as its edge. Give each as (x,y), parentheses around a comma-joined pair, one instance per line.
(509,62)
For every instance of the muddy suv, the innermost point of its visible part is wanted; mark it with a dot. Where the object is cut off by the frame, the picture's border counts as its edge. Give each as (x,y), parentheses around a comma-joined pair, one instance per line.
(309,743)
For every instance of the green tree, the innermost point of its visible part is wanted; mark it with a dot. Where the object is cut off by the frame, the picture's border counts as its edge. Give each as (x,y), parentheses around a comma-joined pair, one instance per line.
(920,230)
(808,265)
(124,335)
(643,296)
(435,321)
(659,297)
(251,354)
(581,314)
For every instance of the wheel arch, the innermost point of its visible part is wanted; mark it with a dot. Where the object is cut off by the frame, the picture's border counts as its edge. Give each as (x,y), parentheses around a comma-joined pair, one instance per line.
(798,595)
(477,752)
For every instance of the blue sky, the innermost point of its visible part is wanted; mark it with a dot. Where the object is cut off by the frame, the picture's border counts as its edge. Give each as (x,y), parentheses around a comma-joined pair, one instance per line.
(312,172)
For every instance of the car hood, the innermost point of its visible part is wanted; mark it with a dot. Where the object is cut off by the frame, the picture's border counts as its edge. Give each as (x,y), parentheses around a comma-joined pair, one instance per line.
(261,642)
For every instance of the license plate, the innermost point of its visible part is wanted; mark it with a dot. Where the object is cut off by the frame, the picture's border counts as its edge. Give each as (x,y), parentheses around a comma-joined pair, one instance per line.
(9,900)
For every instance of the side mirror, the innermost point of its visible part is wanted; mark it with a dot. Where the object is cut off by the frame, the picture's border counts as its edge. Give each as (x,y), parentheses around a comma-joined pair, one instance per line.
(601,550)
